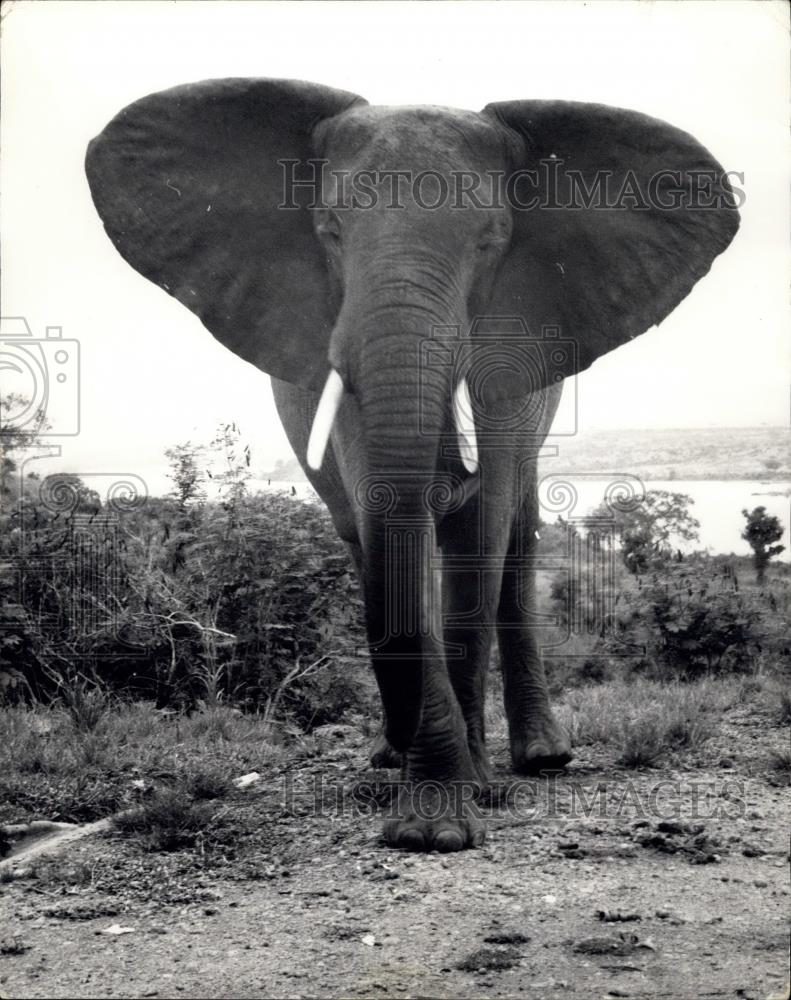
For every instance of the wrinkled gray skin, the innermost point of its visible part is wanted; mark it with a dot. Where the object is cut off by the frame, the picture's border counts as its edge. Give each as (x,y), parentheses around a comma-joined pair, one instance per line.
(400,273)
(391,277)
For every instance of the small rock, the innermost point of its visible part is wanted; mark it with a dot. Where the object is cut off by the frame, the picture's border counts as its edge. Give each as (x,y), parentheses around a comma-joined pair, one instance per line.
(616,916)
(606,946)
(211,895)
(506,937)
(245,780)
(490,960)
(14,945)
(670,826)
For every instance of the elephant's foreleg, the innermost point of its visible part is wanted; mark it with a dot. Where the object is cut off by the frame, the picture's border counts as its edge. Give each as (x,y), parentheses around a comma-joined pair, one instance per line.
(435,808)
(469,648)
(537,740)
(472,558)
(297,408)
(383,755)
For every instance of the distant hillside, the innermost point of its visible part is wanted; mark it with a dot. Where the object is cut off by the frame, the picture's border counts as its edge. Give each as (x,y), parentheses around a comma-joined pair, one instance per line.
(287,470)
(690,453)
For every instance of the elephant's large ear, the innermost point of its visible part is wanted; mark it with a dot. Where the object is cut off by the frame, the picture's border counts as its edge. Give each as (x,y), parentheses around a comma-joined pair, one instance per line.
(188,185)
(603,274)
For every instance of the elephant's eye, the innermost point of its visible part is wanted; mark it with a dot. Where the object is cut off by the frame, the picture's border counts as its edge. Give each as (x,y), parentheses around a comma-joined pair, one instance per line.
(486,246)
(489,243)
(329,227)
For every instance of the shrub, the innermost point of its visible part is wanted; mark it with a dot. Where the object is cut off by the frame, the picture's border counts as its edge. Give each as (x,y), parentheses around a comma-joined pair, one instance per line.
(172,820)
(783,706)
(780,766)
(645,721)
(648,527)
(207,783)
(585,601)
(88,705)
(191,604)
(761,530)
(691,621)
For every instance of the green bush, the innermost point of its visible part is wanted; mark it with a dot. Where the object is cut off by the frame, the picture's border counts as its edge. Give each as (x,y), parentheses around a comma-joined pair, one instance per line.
(171,821)
(684,620)
(648,529)
(189,604)
(691,621)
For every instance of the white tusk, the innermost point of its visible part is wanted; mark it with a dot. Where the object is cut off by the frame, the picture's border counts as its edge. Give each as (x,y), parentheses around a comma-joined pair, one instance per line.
(465,426)
(325,416)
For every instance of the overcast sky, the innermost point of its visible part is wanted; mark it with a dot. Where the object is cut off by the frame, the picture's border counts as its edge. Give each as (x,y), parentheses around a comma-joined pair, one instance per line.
(151,375)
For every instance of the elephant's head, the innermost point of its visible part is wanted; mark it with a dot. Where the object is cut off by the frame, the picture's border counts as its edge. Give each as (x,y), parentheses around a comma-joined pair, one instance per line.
(421,219)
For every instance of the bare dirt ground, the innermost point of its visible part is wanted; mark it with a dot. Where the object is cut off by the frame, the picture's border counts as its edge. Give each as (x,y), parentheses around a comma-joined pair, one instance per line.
(602,882)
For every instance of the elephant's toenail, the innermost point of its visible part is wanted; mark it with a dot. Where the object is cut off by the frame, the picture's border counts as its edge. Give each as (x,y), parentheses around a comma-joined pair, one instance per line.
(448,840)
(412,840)
(478,838)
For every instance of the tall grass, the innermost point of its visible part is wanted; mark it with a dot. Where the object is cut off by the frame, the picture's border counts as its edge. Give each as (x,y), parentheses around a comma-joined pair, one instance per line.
(53,766)
(645,721)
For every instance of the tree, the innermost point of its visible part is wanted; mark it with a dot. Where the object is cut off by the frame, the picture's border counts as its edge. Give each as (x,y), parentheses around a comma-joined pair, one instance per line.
(232,462)
(649,530)
(185,475)
(762,529)
(15,439)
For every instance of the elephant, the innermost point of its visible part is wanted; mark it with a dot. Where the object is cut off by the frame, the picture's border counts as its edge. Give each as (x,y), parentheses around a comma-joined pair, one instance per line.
(418,281)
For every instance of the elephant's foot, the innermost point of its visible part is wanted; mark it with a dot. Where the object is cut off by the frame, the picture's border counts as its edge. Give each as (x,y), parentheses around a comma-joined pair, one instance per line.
(383,755)
(539,744)
(481,760)
(435,816)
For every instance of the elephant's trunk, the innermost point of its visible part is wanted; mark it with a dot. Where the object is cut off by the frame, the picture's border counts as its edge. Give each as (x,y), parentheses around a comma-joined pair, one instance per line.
(406,404)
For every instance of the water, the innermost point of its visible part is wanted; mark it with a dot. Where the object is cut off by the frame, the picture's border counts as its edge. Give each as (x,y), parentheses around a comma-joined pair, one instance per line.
(717,504)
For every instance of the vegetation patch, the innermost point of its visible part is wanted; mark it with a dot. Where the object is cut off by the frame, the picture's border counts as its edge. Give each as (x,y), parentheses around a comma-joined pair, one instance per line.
(172,820)
(646,721)
(52,769)
(490,960)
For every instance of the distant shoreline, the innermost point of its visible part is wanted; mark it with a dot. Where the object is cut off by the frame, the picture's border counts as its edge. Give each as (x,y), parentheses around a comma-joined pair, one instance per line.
(702,454)
(635,471)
